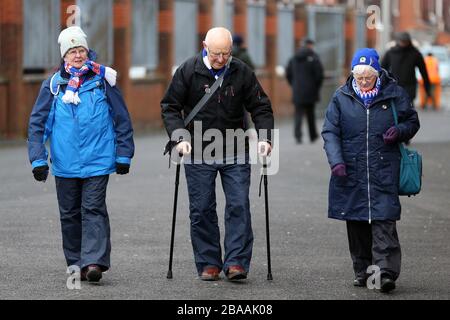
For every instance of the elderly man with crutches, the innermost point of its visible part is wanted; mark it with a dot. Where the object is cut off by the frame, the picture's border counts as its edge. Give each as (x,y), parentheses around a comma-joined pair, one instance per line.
(212,90)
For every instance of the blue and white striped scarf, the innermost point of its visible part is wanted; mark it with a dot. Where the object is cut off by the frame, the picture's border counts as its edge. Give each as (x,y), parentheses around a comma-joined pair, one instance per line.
(368,96)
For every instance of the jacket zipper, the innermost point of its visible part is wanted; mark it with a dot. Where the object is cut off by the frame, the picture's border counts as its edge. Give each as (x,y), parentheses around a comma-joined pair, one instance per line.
(368,170)
(367,154)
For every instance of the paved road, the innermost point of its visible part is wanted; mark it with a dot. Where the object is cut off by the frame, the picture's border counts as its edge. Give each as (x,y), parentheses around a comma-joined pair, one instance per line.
(310,258)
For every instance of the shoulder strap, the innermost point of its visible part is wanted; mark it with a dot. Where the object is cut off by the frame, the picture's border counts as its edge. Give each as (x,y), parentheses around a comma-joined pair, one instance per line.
(207,95)
(394,112)
(400,144)
(54,86)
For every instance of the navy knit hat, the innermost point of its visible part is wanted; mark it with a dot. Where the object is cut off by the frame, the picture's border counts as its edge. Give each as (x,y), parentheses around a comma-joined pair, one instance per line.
(368,57)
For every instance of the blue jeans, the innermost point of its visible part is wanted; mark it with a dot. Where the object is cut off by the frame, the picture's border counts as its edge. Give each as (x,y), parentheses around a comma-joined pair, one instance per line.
(205,235)
(84,221)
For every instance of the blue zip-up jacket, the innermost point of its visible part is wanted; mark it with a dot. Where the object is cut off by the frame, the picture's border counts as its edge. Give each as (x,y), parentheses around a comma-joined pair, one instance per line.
(353,135)
(87,139)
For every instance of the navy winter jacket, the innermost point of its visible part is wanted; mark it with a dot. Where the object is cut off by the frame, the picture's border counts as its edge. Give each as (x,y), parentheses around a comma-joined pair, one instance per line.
(353,135)
(304,73)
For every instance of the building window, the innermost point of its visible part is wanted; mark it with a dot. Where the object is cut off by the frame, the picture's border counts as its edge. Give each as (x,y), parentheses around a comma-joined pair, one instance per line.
(40,35)
(256,14)
(326,28)
(97,23)
(285,39)
(360,31)
(145,37)
(186,36)
(229,23)
(223,11)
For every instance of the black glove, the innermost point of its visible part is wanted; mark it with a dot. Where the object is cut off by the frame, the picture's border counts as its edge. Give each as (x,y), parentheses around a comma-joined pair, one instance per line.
(40,173)
(122,168)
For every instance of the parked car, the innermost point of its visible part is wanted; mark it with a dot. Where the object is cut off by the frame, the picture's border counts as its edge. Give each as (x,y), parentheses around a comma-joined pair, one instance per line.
(443,55)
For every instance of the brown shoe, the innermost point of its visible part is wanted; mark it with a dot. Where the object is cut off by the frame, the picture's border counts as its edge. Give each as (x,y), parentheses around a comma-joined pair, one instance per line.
(210,273)
(93,273)
(235,273)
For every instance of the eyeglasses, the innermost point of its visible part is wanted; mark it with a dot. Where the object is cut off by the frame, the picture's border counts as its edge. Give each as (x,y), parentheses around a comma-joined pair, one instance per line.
(365,79)
(216,55)
(74,52)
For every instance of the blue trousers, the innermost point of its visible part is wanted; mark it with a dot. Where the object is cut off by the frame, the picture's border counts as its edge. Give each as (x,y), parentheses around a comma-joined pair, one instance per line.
(84,221)
(205,235)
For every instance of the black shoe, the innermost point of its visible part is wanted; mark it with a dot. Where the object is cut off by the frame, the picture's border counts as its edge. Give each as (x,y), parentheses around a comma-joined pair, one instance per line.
(387,285)
(360,282)
(93,273)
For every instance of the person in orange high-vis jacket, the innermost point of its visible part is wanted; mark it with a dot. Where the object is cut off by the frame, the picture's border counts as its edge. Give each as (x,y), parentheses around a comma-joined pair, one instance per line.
(432,64)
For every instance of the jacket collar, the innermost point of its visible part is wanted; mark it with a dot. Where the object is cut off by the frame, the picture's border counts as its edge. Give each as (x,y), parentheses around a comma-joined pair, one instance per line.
(200,67)
(388,89)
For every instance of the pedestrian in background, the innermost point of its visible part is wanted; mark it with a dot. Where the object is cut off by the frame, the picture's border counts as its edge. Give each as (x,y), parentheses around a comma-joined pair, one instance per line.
(361,143)
(240,51)
(402,60)
(240,91)
(432,64)
(81,111)
(304,73)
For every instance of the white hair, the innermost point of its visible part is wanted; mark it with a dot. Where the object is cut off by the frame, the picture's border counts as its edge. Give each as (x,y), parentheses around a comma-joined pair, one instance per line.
(362,68)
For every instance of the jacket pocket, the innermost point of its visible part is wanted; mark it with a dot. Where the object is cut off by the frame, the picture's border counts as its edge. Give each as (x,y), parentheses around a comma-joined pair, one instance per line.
(388,166)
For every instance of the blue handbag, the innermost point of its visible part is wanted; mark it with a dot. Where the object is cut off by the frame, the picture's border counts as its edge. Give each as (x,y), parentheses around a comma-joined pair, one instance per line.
(410,181)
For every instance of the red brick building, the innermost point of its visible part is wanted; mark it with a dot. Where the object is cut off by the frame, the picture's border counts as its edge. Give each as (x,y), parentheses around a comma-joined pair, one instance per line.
(144,39)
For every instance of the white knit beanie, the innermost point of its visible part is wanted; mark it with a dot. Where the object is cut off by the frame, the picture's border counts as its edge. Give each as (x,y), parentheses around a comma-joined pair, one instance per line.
(70,38)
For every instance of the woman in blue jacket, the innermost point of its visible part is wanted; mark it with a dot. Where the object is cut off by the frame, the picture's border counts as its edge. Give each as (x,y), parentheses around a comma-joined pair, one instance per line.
(84,116)
(361,143)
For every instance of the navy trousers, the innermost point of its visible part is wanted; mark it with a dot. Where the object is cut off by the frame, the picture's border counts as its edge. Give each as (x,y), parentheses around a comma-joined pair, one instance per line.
(84,221)
(205,235)
(374,244)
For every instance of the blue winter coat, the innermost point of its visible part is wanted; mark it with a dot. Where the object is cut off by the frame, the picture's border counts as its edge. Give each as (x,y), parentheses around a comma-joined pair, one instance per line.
(353,135)
(87,139)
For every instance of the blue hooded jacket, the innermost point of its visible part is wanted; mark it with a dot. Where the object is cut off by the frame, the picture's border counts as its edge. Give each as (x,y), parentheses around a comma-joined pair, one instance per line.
(353,135)
(87,139)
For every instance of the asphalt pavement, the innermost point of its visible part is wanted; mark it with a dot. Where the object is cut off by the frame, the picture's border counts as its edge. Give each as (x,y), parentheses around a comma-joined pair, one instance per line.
(310,258)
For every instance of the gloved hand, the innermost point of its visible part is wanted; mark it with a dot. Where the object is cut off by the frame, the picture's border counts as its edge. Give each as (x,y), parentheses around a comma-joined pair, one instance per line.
(391,135)
(122,168)
(40,173)
(111,76)
(183,148)
(339,170)
(264,148)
